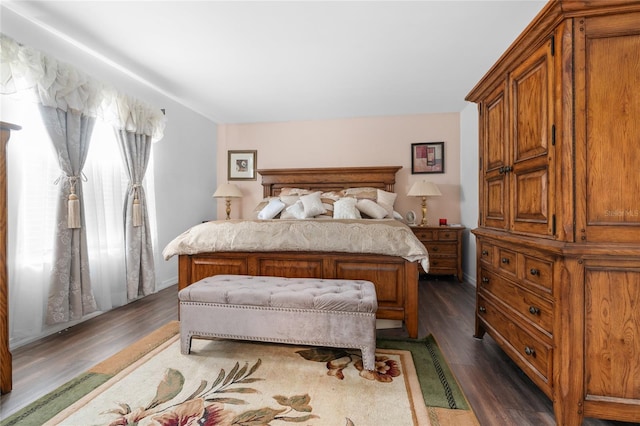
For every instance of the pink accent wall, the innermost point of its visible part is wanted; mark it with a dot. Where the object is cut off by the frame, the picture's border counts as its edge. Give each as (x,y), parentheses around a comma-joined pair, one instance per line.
(371,141)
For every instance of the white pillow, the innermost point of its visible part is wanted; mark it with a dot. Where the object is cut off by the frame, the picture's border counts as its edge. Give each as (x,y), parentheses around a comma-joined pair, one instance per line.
(289,200)
(271,210)
(312,204)
(294,211)
(345,208)
(371,209)
(386,200)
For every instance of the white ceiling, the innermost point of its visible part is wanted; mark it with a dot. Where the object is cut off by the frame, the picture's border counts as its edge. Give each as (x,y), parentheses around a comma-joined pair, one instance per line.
(241,61)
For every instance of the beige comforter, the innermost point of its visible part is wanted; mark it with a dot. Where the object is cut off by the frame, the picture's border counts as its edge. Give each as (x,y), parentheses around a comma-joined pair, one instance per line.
(387,237)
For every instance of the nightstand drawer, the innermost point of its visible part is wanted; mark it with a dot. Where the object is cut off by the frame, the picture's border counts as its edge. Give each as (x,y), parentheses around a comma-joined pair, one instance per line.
(439,264)
(447,235)
(424,234)
(444,246)
(441,249)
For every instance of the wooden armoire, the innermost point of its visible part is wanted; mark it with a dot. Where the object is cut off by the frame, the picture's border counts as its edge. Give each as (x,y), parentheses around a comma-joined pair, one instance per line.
(558,237)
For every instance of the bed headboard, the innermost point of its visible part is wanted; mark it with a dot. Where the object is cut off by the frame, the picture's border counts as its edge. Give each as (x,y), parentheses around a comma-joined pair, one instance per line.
(328,179)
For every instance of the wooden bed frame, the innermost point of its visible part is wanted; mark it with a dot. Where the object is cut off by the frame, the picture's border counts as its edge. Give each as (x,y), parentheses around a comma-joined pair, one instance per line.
(395,278)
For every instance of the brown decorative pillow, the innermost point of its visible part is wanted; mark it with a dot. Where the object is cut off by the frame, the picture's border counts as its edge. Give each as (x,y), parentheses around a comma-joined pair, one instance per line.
(294,191)
(361,193)
(328,199)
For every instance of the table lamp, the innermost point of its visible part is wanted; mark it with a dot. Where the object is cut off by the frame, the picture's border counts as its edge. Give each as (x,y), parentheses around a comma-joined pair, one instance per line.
(228,191)
(424,189)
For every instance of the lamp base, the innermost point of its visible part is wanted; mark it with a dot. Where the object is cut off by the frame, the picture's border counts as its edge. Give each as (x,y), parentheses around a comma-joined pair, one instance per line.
(228,208)
(424,212)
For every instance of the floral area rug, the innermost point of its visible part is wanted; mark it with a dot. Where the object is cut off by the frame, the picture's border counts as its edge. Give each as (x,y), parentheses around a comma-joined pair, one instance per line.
(226,382)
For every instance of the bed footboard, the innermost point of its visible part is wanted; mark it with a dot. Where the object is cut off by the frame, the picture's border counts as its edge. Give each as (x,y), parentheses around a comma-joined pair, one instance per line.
(395,278)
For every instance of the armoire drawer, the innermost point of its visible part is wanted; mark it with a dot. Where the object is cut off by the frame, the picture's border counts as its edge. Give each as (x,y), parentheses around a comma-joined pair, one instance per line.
(531,352)
(537,273)
(486,252)
(507,261)
(531,307)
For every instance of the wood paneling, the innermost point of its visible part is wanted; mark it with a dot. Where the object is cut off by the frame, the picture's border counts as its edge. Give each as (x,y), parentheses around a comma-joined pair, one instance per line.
(5,354)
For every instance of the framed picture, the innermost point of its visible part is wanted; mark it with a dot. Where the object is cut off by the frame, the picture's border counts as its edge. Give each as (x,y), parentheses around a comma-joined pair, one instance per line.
(427,157)
(242,165)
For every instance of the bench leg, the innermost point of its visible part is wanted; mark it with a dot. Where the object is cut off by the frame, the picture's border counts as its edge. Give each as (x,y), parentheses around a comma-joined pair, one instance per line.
(185,343)
(369,358)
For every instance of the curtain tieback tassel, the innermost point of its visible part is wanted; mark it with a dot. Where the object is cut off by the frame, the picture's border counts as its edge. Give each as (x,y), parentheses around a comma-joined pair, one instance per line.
(73,220)
(137,212)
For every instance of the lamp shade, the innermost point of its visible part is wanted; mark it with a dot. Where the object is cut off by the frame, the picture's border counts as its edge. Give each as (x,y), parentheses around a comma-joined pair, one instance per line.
(424,189)
(227,190)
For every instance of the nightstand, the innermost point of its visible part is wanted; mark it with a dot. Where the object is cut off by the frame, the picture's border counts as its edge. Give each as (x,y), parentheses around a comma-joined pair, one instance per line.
(444,244)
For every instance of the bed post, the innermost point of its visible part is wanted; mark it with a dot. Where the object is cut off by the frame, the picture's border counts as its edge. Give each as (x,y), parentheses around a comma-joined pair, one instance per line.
(411,303)
(184,271)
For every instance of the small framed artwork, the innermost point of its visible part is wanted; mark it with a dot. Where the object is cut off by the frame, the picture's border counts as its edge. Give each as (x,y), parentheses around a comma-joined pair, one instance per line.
(242,165)
(427,157)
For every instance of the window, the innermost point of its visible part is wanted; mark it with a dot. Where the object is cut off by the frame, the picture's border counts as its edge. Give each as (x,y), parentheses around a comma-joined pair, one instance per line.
(32,205)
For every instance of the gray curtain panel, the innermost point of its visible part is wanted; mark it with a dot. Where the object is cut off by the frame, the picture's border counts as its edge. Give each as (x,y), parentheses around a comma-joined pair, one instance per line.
(141,281)
(70,294)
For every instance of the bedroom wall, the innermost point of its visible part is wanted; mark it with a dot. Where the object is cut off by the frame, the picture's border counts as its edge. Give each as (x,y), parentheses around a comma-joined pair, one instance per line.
(369,141)
(185,158)
(469,187)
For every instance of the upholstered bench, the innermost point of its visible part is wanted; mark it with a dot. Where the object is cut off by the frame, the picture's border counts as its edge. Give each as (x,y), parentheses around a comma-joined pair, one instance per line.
(306,311)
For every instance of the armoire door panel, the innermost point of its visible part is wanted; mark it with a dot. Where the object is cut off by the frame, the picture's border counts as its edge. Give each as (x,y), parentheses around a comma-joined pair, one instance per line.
(530,201)
(531,183)
(496,147)
(495,213)
(530,97)
(612,326)
(612,114)
(495,206)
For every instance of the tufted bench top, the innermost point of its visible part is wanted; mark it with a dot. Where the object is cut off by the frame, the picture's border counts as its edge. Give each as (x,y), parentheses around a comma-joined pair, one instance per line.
(278,292)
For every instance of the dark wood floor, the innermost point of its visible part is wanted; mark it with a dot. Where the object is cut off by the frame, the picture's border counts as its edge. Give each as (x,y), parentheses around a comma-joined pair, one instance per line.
(499,393)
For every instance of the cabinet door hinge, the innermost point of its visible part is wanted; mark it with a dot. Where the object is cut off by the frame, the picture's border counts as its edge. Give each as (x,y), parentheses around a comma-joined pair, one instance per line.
(553,135)
(553,45)
(553,224)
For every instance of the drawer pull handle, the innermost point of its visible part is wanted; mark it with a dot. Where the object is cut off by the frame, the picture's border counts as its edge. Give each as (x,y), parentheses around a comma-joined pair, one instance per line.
(485,252)
(434,248)
(482,309)
(534,271)
(533,310)
(529,351)
(505,260)
(485,280)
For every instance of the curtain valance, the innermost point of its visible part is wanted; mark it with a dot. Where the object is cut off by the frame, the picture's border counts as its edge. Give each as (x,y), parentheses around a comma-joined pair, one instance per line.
(60,85)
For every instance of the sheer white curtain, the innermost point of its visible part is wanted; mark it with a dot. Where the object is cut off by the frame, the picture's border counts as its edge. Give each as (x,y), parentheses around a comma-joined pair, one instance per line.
(32,171)
(28,72)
